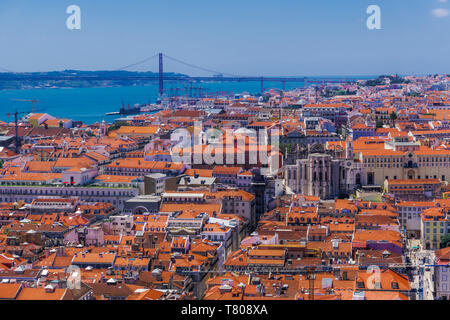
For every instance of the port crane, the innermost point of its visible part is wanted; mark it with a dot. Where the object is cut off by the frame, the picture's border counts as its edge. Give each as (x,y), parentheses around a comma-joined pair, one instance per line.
(16,127)
(326,82)
(33,101)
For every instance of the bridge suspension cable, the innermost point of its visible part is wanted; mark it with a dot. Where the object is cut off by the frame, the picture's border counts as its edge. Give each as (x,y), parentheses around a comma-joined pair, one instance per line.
(200,68)
(137,63)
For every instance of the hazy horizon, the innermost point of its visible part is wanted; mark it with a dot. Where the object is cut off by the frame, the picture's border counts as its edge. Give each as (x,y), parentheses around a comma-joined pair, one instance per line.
(283,38)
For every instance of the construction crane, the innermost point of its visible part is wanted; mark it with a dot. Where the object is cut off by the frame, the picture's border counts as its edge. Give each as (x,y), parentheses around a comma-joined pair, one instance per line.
(15,114)
(33,101)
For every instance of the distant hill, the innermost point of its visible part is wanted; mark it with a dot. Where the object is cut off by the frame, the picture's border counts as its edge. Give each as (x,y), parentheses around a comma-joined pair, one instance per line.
(77,79)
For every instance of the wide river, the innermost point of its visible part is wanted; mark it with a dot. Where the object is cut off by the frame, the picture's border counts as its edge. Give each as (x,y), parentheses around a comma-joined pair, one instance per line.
(90,104)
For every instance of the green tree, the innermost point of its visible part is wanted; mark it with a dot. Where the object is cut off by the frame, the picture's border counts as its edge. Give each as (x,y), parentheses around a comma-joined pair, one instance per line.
(445,241)
(286,147)
(117,125)
(393,117)
(379,124)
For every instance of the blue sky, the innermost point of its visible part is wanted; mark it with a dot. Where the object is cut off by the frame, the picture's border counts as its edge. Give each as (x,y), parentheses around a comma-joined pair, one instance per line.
(246,37)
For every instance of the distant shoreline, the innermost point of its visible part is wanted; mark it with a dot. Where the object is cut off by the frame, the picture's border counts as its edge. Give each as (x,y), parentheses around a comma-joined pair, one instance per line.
(70,79)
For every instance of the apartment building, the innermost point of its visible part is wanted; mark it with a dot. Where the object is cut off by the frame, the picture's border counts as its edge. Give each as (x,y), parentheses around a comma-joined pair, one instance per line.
(23,191)
(409,216)
(442,273)
(120,224)
(413,189)
(435,224)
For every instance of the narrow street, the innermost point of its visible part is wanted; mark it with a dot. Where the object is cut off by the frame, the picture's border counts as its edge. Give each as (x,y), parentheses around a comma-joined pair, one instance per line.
(422,275)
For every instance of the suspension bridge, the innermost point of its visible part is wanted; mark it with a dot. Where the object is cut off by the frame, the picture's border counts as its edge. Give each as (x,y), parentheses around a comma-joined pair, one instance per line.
(160,77)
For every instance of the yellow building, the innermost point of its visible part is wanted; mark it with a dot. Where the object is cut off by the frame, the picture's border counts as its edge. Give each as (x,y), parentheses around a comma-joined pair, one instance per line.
(36,119)
(434,226)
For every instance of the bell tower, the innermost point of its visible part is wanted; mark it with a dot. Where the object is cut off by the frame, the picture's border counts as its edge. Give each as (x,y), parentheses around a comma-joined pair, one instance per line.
(349,148)
(103,128)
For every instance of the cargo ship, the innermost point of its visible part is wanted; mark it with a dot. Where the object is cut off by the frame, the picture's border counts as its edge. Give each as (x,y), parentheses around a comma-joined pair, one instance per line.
(136,109)
(130,110)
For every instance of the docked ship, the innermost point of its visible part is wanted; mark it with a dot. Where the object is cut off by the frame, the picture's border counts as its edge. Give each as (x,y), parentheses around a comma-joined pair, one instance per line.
(130,110)
(152,108)
(136,109)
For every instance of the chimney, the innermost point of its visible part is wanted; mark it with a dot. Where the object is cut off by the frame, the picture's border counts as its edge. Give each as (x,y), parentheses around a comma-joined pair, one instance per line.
(335,243)
(277,289)
(157,273)
(225,288)
(49,289)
